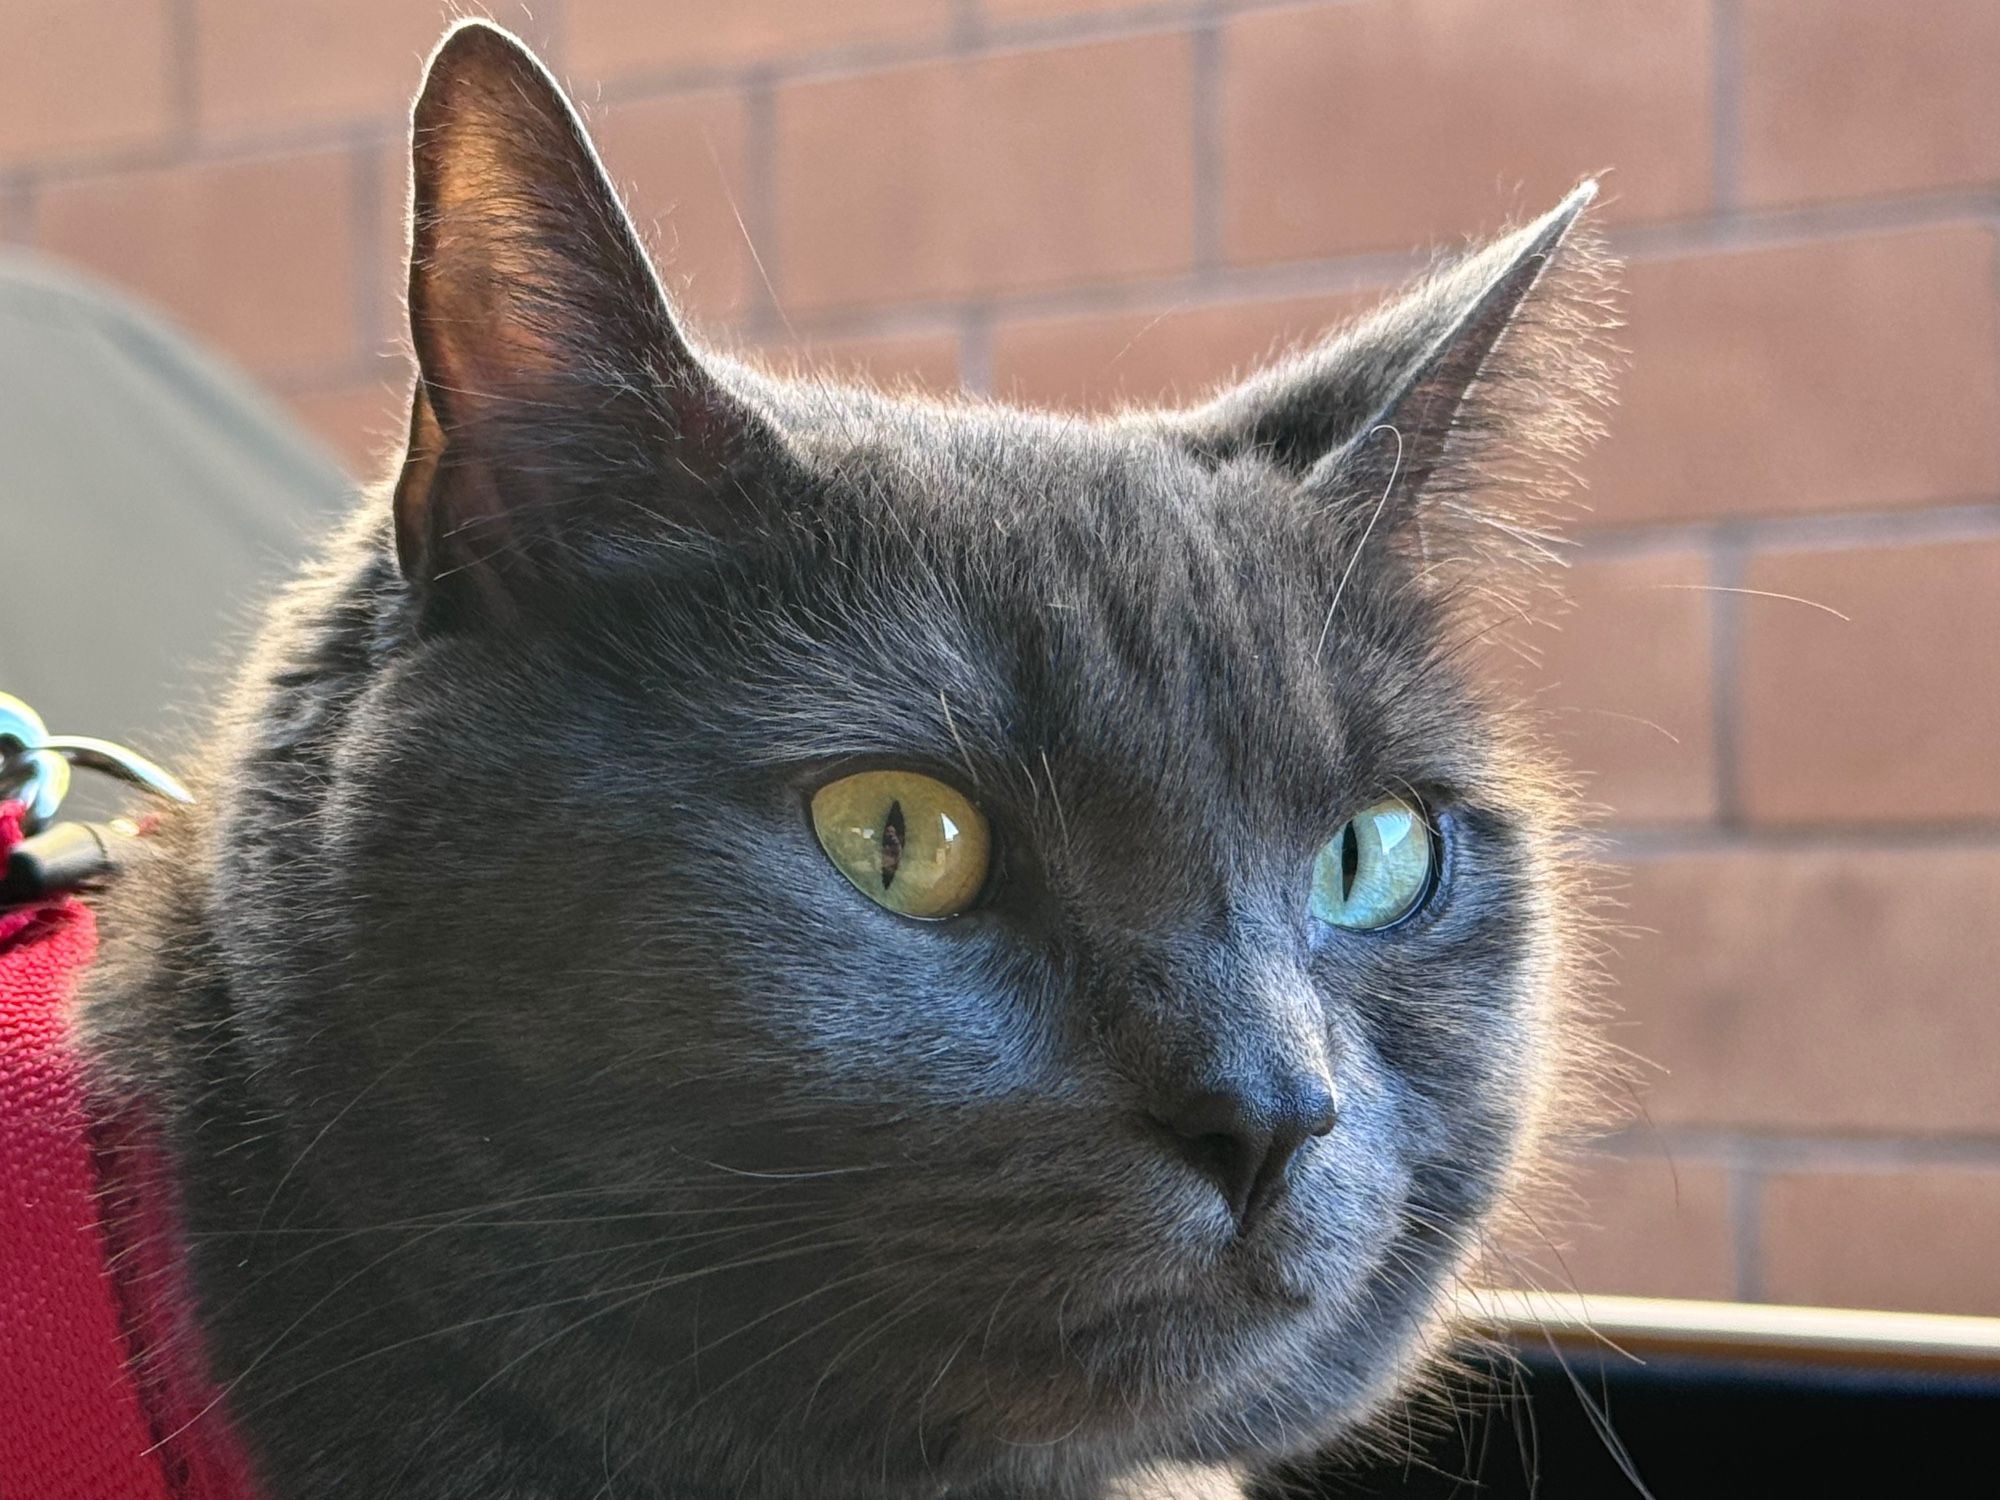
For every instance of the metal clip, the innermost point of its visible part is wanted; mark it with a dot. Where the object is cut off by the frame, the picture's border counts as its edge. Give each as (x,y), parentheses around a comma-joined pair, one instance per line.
(35,765)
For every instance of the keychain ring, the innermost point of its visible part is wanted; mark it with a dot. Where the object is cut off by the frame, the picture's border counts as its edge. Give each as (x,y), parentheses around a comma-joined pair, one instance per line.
(35,765)
(35,777)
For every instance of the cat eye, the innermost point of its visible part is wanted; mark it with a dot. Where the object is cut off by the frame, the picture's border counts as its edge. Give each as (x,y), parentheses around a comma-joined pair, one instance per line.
(1376,870)
(907,841)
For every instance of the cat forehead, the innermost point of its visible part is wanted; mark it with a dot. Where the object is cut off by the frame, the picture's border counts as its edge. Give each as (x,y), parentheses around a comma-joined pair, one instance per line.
(1030,526)
(995,478)
(1016,584)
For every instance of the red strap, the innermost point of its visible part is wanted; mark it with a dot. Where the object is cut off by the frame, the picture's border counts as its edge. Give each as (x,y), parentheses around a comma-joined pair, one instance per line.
(102,1395)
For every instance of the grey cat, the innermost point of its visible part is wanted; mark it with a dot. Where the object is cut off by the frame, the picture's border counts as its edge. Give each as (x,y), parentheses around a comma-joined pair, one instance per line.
(752,937)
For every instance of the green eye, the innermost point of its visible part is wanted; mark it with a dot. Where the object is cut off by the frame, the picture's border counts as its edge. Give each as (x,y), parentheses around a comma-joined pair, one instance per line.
(1375,870)
(908,842)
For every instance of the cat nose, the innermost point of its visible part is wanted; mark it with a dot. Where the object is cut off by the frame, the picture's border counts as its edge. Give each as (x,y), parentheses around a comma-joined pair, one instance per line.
(1243,1134)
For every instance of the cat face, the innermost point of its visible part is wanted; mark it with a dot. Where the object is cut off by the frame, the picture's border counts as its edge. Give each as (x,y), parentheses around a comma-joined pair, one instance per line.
(1162,1131)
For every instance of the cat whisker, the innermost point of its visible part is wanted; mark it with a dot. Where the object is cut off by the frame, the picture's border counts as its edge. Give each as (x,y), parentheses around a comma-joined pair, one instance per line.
(923,1401)
(802,1174)
(1639,719)
(1720,588)
(1340,589)
(638,1290)
(857,1342)
(402,1061)
(1055,798)
(432,1228)
(772,1354)
(645,1290)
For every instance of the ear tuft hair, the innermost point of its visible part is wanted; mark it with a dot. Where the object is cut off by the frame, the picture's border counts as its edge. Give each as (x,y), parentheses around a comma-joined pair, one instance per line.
(1449,423)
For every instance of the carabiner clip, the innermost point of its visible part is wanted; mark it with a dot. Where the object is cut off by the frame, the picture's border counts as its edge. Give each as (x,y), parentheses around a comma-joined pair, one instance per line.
(35,765)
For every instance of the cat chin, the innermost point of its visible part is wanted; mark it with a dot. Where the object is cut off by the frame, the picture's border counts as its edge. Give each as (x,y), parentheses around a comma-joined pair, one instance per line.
(1094,1413)
(1181,1383)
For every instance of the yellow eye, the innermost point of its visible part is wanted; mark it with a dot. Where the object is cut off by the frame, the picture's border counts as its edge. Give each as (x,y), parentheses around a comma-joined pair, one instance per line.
(908,842)
(1376,869)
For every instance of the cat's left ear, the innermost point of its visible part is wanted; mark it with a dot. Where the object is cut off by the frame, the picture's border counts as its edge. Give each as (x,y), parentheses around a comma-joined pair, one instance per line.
(560,413)
(1496,358)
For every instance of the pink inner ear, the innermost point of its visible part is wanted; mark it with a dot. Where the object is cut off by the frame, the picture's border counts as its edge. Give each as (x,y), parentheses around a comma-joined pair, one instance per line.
(435,540)
(487,265)
(559,408)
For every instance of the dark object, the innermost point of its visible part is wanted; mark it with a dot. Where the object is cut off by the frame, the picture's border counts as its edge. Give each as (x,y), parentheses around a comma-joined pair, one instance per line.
(35,765)
(1599,1424)
(34,773)
(65,858)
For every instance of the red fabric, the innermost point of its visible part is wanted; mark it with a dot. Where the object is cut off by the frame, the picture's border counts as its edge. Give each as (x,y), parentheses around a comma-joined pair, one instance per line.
(102,1395)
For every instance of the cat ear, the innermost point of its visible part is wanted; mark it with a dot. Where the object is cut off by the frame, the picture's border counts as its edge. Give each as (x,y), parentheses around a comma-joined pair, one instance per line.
(1497,358)
(559,411)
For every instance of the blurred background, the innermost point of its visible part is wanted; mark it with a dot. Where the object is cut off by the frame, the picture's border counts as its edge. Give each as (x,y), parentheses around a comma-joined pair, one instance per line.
(1078,202)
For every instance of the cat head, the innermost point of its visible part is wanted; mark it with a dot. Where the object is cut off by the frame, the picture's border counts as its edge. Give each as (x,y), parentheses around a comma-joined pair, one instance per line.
(990,944)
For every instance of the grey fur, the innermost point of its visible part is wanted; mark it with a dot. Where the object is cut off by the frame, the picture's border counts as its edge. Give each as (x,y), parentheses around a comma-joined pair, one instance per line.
(554,1121)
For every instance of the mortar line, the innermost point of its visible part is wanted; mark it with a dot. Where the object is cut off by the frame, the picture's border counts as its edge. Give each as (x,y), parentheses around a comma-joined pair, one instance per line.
(1994,254)
(1800,1150)
(760,250)
(1945,519)
(1725,104)
(1744,1204)
(1205,140)
(857,59)
(184,75)
(1640,843)
(975,349)
(1088,26)
(968,26)
(1725,623)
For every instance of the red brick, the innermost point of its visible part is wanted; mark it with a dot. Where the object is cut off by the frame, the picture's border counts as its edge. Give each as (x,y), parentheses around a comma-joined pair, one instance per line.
(927,362)
(1154,354)
(1625,676)
(1382,124)
(1024,169)
(1840,989)
(612,37)
(680,163)
(1850,97)
(1643,1226)
(1889,716)
(84,75)
(313,61)
(1852,373)
(256,257)
(364,424)
(1917,1240)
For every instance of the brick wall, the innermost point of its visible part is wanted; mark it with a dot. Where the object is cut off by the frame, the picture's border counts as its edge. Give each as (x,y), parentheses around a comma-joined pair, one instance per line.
(1081,200)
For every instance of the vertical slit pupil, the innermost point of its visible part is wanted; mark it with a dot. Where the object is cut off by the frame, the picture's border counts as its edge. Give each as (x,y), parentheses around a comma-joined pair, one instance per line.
(892,843)
(1350,860)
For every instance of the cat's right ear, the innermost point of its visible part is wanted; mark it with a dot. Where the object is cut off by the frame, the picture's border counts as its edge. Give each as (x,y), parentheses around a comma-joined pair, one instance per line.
(1459,404)
(560,415)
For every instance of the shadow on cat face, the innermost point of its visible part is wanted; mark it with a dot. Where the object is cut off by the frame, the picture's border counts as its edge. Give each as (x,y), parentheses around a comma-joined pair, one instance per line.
(769,1178)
